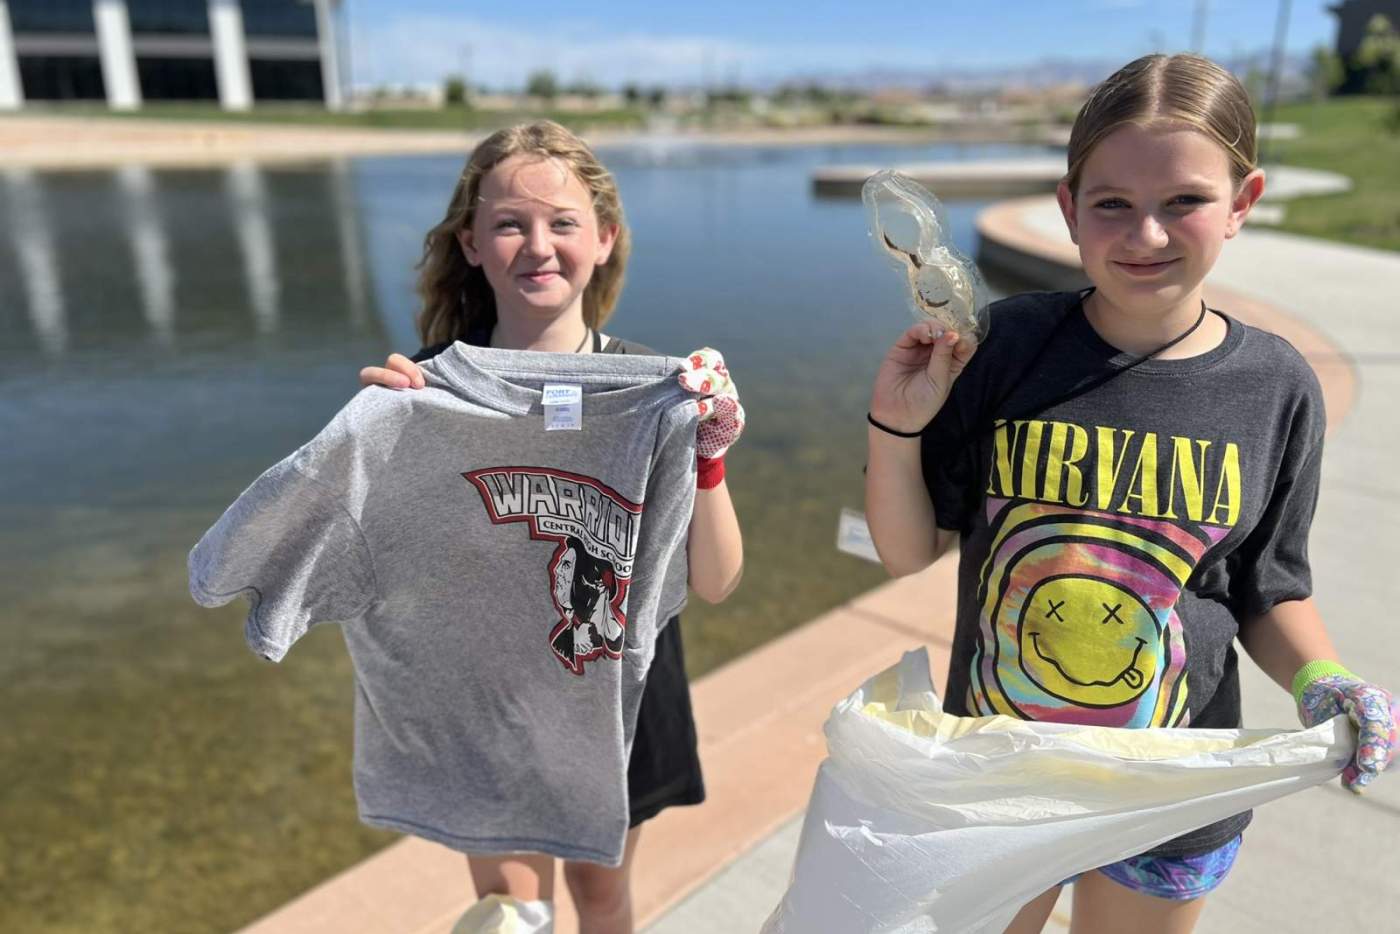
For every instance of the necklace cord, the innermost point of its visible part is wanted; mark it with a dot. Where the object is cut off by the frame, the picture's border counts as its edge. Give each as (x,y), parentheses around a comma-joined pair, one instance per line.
(1079,390)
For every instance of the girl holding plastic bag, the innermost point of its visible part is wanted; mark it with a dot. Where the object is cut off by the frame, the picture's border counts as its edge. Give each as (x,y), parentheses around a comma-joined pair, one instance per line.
(531,256)
(1130,474)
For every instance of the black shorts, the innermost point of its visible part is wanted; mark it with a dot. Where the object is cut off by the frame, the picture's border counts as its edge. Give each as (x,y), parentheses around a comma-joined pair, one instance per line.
(664,770)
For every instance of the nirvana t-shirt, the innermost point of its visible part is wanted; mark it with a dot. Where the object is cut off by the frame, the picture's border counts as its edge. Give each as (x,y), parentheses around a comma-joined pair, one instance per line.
(500,587)
(1114,543)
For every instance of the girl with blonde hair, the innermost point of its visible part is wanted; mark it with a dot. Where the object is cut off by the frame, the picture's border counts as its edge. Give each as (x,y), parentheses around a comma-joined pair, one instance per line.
(531,254)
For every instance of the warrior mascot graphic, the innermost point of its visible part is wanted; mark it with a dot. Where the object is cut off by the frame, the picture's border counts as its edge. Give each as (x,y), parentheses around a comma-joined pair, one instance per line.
(593,531)
(585,589)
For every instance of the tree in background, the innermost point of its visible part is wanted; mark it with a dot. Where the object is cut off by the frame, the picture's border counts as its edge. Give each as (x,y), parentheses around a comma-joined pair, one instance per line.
(1326,72)
(584,88)
(1379,55)
(634,94)
(454,91)
(542,84)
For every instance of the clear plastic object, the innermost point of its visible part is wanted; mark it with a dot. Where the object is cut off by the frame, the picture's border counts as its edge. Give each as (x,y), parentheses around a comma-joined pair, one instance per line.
(909,226)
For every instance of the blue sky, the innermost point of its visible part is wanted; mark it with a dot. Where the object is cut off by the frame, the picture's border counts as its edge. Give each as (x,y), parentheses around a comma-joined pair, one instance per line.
(613,41)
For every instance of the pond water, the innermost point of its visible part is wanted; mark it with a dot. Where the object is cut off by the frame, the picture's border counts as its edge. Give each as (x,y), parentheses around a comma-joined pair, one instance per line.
(167,335)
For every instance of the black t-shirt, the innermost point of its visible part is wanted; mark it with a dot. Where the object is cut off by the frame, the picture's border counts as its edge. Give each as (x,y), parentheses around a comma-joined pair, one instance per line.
(1113,544)
(482,338)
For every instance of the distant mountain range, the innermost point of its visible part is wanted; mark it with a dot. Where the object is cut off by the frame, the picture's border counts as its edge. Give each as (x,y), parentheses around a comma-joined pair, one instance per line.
(1041,74)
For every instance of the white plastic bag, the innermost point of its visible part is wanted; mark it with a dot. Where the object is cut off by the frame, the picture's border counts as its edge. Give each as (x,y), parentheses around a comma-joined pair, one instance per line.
(504,914)
(923,821)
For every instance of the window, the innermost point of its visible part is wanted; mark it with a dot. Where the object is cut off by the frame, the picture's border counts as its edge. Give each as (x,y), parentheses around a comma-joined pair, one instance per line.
(177,79)
(52,16)
(285,18)
(183,17)
(283,80)
(61,78)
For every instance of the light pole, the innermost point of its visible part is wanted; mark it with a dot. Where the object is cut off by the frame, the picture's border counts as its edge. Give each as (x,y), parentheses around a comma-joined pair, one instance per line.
(1198,27)
(1275,66)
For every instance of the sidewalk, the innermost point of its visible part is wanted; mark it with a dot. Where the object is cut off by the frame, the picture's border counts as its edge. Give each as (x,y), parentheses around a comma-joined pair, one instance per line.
(59,142)
(1322,860)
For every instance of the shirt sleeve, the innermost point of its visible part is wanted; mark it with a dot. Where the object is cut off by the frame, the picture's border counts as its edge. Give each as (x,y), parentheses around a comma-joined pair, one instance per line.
(290,545)
(949,466)
(669,504)
(1271,566)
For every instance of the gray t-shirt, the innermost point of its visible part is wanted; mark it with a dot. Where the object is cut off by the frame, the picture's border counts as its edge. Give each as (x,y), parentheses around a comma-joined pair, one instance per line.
(500,587)
(1114,543)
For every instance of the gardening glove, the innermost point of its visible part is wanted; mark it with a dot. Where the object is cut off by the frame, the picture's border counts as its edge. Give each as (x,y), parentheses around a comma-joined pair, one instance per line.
(1325,689)
(721,414)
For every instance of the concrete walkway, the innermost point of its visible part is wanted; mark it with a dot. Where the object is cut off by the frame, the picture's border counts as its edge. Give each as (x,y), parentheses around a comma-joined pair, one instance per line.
(1323,860)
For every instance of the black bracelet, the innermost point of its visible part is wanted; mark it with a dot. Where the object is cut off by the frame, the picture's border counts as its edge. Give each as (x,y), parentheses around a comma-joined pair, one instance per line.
(890,431)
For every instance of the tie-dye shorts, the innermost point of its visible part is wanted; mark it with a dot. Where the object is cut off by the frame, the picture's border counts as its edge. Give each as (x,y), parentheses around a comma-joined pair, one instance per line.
(1179,878)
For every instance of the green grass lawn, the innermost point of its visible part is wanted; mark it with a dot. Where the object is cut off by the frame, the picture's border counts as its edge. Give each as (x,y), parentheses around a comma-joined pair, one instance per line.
(1350,136)
(444,118)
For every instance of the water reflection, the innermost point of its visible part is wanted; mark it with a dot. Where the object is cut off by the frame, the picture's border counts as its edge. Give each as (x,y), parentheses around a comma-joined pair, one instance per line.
(192,327)
(150,251)
(344,235)
(248,204)
(352,245)
(33,242)
(94,260)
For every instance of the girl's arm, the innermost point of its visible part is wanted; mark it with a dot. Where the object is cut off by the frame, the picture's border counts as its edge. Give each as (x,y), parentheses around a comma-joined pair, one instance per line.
(1292,646)
(897,505)
(398,372)
(715,546)
(1286,638)
(911,386)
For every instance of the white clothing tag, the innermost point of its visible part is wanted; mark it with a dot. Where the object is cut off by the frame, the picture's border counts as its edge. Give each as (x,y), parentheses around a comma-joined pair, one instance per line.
(853,536)
(563,407)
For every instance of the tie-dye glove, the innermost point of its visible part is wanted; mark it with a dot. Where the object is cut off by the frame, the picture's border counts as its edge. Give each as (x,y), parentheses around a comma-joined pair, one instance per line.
(1325,689)
(721,414)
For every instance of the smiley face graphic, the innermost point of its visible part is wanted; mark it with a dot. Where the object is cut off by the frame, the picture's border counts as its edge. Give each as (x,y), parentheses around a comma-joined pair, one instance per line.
(1088,641)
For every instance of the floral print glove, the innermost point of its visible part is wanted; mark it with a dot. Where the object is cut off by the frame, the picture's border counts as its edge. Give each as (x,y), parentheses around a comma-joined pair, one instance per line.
(721,415)
(1325,689)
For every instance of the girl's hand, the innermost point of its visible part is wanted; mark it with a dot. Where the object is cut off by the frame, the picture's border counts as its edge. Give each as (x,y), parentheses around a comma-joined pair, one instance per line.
(721,415)
(398,372)
(1333,690)
(917,374)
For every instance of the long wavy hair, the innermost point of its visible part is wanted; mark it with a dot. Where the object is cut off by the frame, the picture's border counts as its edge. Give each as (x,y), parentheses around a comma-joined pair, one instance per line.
(1157,89)
(456,298)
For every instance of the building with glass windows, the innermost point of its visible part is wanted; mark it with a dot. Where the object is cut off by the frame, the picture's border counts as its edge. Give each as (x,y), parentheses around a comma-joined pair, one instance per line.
(1354,17)
(127,52)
